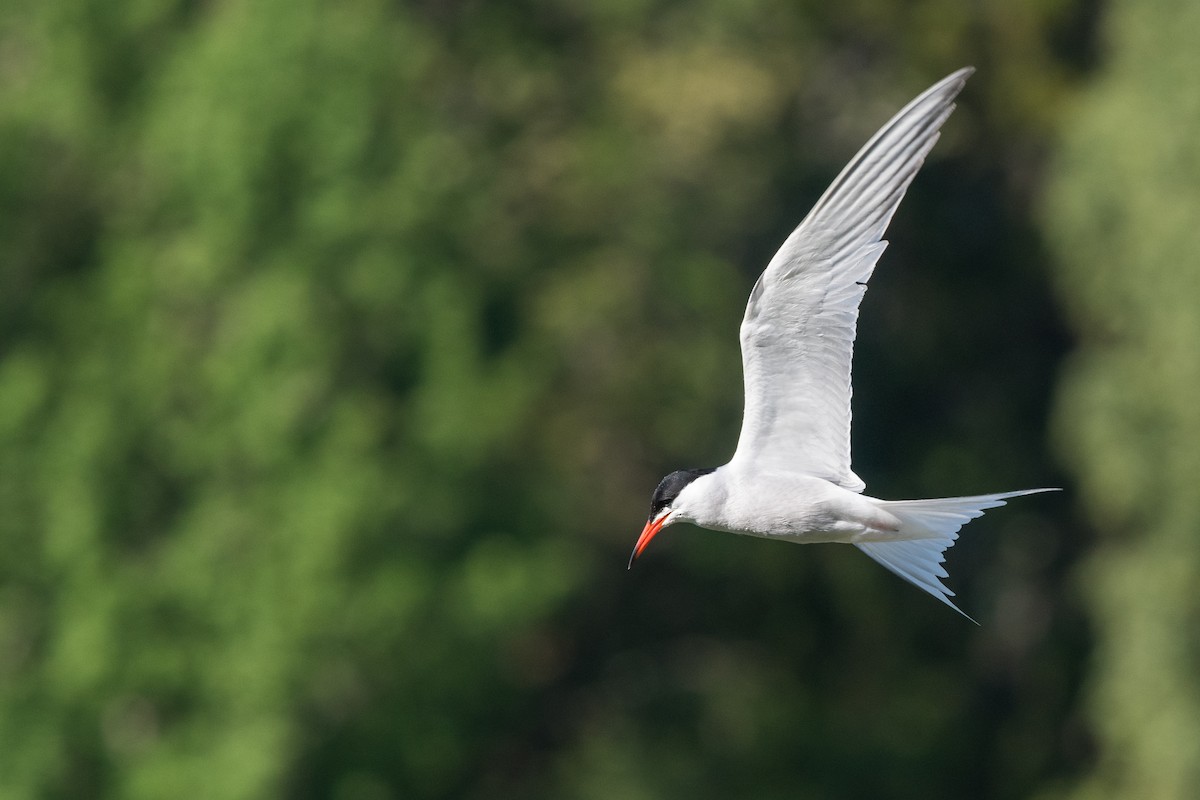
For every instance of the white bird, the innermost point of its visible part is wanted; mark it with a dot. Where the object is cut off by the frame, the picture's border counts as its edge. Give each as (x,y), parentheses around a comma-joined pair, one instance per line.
(790,477)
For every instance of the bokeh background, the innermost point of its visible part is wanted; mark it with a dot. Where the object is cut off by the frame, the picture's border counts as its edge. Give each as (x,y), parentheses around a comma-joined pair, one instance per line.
(342,344)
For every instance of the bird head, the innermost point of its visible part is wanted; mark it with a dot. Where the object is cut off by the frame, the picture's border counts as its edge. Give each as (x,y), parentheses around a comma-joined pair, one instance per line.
(665,506)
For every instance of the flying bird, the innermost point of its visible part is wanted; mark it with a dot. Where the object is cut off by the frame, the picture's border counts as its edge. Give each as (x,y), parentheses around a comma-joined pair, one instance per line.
(790,477)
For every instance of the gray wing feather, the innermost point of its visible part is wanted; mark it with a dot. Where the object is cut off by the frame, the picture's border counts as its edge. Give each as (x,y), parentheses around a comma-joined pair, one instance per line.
(798,333)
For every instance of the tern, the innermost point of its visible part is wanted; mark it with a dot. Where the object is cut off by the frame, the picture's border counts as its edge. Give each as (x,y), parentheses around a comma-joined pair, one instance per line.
(790,477)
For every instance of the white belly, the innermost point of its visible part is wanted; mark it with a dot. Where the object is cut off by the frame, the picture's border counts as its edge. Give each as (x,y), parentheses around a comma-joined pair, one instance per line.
(798,507)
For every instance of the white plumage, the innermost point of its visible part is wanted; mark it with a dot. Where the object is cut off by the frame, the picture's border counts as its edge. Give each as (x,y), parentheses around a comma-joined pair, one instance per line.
(791,475)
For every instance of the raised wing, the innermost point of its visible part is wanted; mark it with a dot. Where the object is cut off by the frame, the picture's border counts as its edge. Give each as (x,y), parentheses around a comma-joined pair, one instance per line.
(798,332)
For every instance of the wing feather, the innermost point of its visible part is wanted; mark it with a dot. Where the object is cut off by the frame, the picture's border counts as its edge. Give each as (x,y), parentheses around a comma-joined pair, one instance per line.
(798,333)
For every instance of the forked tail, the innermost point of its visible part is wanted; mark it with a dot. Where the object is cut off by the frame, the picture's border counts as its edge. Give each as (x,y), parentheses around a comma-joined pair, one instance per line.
(929,528)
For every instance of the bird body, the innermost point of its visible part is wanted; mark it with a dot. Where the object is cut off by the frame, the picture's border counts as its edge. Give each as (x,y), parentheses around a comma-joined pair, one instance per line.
(790,477)
(781,505)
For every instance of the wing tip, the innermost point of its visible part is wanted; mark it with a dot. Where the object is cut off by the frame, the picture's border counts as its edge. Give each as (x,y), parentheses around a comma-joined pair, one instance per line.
(947,88)
(959,76)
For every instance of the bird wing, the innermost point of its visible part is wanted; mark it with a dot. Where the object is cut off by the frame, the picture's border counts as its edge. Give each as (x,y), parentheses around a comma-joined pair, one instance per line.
(798,333)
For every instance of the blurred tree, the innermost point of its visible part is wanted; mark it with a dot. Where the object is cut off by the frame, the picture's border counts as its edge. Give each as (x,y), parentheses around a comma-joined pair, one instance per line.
(1122,213)
(342,344)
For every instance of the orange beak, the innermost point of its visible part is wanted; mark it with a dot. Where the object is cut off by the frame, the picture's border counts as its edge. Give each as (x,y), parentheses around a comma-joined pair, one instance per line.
(649,532)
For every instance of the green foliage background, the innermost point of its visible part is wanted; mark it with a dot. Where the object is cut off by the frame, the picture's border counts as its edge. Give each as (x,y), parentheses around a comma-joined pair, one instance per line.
(1122,212)
(341,345)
